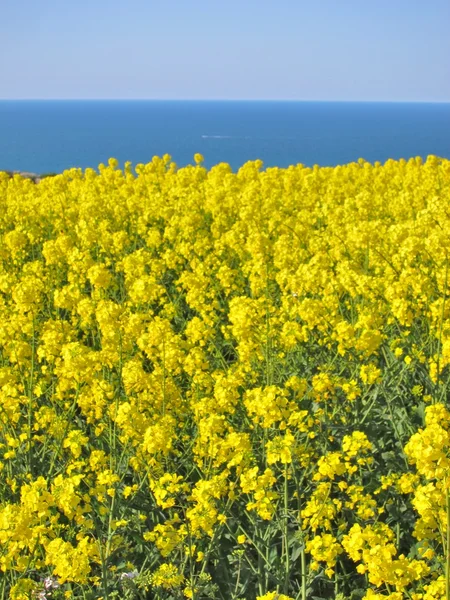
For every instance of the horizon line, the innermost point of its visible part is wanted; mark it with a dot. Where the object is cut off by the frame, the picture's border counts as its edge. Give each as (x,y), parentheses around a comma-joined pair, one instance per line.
(292,100)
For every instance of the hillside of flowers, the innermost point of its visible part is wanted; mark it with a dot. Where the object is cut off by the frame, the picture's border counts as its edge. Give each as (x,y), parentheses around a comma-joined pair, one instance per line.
(226,385)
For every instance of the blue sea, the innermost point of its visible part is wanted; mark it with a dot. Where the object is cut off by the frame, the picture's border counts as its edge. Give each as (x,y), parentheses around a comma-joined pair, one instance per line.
(50,136)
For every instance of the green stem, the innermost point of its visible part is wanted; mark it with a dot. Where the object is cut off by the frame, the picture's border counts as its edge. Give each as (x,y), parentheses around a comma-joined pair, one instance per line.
(109,535)
(191,561)
(447,564)
(238,578)
(104,572)
(286,531)
(303,564)
(30,403)
(441,327)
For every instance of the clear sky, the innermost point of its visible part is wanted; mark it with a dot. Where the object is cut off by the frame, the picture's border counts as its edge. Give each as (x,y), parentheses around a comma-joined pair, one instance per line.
(394,50)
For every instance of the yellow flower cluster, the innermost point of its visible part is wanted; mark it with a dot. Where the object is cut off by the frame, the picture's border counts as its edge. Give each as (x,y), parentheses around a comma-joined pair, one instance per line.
(217,380)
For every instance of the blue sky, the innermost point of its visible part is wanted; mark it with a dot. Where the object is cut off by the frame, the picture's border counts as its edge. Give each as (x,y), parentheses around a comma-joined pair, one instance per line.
(393,50)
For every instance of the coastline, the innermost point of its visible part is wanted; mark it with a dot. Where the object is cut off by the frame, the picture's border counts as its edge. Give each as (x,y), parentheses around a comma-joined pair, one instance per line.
(35,177)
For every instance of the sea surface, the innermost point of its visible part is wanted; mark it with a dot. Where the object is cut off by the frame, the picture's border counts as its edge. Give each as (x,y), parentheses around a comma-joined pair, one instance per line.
(50,136)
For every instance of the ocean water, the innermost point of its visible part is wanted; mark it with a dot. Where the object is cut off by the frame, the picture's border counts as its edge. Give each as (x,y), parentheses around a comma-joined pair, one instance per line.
(50,136)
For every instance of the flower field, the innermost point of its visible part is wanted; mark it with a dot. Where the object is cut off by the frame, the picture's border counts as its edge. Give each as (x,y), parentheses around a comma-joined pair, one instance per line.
(226,385)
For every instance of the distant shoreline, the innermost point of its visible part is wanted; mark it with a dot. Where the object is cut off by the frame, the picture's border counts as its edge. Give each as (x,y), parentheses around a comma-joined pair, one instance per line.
(35,177)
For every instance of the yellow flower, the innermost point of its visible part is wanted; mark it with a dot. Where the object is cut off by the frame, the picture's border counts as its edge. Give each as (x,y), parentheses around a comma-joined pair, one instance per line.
(75,441)
(274,596)
(167,576)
